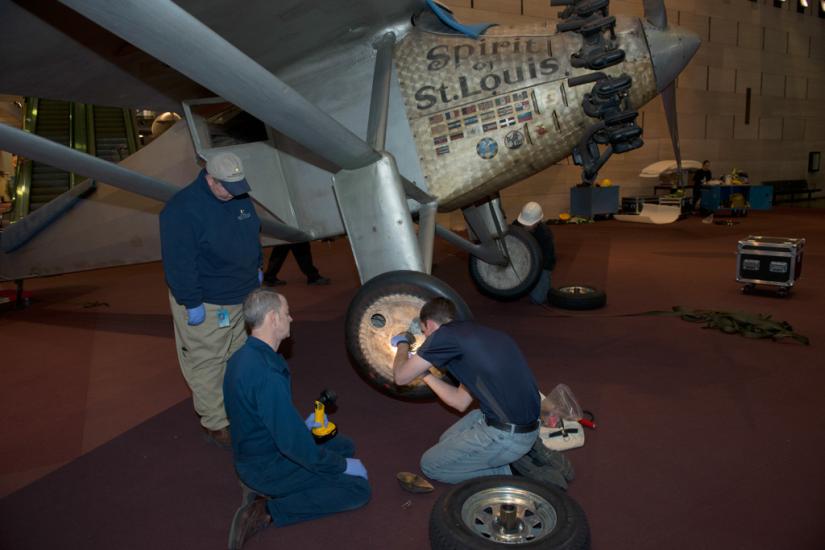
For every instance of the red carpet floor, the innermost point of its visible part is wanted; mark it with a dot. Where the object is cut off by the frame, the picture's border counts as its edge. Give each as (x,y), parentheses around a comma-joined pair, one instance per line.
(704,440)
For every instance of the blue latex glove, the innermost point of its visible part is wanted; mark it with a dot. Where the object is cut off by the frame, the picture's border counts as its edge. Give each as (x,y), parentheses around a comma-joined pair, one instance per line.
(310,421)
(196,315)
(260,276)
(356,468)
(405,336)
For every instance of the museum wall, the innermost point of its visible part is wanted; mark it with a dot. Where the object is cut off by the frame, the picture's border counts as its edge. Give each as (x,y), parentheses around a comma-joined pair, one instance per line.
(776,52)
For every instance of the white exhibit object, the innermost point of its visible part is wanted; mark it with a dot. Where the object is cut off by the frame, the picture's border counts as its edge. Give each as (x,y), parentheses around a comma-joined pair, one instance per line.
(663,166)
(652,213)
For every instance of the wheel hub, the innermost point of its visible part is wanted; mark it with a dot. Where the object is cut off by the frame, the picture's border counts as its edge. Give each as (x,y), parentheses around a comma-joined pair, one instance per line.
(383,319)
(509,515)
(575,289)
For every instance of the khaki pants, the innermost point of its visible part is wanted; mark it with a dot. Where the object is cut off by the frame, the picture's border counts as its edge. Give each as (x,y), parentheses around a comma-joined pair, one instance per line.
(203,351)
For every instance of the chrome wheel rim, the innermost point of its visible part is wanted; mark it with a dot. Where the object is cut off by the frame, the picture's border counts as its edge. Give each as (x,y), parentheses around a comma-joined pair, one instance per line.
(576,289)
(532,517)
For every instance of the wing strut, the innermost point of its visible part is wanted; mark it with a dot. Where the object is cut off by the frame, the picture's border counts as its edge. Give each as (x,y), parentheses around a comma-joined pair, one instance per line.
(32,146)
(172,35)
(380,99)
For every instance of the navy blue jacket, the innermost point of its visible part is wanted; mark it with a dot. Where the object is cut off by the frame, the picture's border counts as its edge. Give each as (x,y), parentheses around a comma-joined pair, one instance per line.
(269,438)
(211,249)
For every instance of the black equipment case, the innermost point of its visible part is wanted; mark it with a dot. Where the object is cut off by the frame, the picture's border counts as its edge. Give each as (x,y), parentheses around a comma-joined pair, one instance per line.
(775,261)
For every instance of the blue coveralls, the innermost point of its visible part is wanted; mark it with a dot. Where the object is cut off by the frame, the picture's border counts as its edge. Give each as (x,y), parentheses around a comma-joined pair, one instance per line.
(275,453)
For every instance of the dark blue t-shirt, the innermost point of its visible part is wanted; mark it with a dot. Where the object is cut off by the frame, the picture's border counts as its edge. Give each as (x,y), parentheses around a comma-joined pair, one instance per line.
(211,249)
(490,365)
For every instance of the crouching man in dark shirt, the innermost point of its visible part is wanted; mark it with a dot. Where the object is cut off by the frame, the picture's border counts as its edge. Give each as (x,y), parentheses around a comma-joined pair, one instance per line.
(491,369)
(274,450)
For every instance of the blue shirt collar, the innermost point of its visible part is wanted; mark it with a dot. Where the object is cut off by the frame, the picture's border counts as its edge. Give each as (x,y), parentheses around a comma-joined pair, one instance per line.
(257,343)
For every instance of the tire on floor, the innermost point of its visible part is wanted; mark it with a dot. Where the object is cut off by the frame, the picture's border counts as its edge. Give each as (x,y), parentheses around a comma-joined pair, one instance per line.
(578,297)
(474,515)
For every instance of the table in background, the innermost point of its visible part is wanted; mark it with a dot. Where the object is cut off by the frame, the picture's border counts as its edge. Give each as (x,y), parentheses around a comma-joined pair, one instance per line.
(759,197)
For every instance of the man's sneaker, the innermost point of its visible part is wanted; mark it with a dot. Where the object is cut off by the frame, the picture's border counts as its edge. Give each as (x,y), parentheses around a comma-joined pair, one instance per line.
(319,280)
(222,438)
(248,520)
(548,457)
(530,468)
(274,282)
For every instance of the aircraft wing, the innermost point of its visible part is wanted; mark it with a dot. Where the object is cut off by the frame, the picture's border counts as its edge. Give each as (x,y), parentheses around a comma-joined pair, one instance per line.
(110,226)
(51,51)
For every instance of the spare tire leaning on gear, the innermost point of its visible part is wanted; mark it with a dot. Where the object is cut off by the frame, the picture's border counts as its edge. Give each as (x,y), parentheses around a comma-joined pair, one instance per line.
(507,512)
(578,297)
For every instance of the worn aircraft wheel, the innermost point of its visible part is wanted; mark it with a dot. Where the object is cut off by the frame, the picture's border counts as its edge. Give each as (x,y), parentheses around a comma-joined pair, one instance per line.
(577,297)
(506,511)
(519,276)
(384,307)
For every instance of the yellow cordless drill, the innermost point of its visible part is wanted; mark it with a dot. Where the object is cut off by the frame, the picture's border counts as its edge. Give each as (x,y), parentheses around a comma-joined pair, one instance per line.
(324,433)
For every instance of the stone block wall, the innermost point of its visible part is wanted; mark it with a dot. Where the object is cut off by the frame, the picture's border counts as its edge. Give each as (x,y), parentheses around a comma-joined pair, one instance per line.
(774,52)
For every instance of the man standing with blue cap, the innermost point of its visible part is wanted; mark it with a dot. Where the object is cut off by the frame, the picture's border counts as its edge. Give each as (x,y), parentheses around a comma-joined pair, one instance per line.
(212,259)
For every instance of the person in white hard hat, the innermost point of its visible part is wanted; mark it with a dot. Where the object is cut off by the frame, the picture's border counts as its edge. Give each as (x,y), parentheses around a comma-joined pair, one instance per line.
(212,258)
(531,218)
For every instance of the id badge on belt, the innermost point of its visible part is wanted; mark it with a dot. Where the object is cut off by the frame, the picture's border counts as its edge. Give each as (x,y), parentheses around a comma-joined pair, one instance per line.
(223,318)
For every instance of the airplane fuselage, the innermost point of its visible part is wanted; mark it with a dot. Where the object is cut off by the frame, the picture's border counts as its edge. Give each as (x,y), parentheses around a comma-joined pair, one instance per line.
(490,112)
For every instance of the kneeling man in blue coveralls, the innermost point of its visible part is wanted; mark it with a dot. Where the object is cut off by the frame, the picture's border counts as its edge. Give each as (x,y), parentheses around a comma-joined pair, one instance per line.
(491,368)
(274,450)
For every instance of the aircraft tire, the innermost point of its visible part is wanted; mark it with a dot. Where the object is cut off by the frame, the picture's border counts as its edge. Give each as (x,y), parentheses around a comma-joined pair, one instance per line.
(518,277)
(578,297)
(383,307)
(548,518)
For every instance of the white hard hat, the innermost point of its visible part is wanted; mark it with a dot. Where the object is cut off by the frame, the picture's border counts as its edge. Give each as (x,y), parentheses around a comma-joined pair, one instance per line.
(530,214)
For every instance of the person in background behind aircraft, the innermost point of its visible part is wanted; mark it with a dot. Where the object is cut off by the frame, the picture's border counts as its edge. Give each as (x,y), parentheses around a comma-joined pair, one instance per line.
(303,255)
(532,218)
(700,178)
(275,453)
(212,260)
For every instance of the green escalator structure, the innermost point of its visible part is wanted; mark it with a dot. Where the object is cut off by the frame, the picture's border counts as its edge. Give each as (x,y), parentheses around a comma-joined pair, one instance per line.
(109,133)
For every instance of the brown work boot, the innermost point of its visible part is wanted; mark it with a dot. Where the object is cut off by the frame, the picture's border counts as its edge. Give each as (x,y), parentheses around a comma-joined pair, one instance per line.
(222,438)
(248,520)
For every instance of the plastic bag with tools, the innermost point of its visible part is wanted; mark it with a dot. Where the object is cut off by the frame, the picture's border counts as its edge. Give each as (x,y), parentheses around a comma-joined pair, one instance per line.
(559,405)
(560,416)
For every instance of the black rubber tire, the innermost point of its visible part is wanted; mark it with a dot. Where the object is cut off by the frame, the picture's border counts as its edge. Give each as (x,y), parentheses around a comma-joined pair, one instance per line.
(578,297)
(521,243)
(372,361)
(449,531)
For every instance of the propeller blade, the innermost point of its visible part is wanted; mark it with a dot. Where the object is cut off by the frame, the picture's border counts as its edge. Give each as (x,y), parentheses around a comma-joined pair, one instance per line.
(669,103)
(655,13)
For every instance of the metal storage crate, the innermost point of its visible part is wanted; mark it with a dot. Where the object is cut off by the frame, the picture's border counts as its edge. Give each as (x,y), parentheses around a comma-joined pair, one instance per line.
(775,261)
